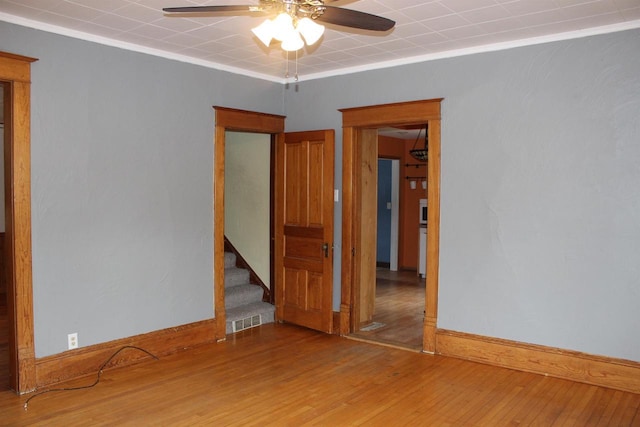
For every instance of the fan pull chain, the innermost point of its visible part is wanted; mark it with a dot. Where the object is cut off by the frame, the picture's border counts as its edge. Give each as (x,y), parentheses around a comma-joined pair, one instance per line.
(286,73)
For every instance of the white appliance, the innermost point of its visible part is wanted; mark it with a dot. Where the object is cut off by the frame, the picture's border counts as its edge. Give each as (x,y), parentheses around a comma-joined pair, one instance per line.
(423,212)
(422,239)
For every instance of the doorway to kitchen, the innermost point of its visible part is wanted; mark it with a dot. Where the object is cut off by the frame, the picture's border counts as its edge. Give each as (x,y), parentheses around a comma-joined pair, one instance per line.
(398,307)
(360,135)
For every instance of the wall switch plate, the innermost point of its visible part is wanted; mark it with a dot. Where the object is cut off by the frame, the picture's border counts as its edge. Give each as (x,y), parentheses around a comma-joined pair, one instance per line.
(72,340)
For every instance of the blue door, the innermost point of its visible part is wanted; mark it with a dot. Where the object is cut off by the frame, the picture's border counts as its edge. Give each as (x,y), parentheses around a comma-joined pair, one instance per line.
(384,212)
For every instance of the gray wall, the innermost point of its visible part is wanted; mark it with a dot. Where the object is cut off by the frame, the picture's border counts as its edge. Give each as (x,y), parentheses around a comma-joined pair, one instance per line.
(122,160)
(540,227)
(540,185)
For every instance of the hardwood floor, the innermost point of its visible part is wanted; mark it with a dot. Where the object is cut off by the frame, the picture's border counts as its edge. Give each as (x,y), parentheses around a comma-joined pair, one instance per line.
(399,306)
(281,375)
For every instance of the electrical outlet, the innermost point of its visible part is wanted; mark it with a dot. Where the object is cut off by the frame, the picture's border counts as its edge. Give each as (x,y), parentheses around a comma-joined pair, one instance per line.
(72,340)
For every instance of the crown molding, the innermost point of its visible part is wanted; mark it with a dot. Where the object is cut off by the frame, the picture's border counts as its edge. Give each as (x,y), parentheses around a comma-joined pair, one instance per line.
(629,25)
(569,35)
(132,47)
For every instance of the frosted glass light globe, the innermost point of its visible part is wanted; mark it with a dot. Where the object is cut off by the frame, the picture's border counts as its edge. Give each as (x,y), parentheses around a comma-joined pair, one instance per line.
(310,30)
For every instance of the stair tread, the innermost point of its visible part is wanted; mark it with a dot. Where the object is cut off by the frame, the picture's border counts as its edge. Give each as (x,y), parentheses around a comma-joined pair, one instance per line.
(247,287)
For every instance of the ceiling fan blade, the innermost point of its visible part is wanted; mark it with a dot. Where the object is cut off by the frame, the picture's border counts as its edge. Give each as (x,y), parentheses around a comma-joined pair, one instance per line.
(355,19)
(213,9)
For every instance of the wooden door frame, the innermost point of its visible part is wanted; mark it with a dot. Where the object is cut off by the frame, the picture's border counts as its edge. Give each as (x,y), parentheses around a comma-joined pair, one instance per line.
(15,70)
(230,119)
(354,121)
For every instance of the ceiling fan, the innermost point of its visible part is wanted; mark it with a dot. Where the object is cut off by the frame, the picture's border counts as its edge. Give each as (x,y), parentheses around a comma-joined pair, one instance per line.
(295,22)
(295,18)
(299,9)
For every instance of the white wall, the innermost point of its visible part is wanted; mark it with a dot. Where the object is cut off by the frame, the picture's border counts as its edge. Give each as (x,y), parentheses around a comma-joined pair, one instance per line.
(247,197)
(540,215)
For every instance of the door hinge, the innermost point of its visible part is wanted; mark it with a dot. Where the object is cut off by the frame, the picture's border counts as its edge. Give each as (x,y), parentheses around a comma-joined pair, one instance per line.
(353,251)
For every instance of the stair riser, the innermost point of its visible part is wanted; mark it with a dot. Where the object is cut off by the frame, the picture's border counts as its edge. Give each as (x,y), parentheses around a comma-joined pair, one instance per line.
(235,277)
(229,260)
(246,294)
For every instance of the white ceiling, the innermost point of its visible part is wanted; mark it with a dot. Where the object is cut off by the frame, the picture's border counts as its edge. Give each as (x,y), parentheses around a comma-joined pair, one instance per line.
(424,30)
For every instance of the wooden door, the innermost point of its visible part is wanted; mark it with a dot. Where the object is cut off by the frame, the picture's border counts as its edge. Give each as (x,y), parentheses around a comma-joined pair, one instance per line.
(304,229)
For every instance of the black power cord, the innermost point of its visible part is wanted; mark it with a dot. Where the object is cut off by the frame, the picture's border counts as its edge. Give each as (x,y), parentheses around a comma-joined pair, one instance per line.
(26,404)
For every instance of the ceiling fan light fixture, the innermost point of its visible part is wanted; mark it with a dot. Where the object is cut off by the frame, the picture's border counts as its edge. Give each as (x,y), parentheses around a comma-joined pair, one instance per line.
(293,42)
(297,20)
(283,27)
(264,32)
(310,30)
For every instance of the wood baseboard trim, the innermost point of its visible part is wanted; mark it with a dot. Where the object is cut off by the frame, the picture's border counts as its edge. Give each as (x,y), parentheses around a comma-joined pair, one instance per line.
(87,360)
(335,326)
(602,371)
(345,319)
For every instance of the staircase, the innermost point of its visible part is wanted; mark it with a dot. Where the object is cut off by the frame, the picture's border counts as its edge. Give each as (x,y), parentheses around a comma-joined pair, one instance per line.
(243,300)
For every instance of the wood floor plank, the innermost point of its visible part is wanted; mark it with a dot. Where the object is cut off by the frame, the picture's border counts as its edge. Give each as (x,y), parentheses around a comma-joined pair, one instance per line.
(577,405)
(492,392)
(540,401)
(626,409)
(599,403)
(279,375)
(532,398)
(399,307)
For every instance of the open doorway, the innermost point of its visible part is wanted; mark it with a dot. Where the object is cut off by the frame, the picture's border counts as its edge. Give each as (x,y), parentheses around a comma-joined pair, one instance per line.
(15,74)
(360,127)
(306,298)
(248,216)
(248,230)
(398,306)
(229,120)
